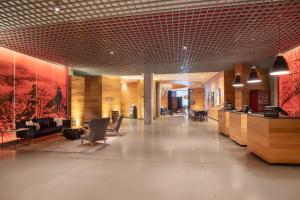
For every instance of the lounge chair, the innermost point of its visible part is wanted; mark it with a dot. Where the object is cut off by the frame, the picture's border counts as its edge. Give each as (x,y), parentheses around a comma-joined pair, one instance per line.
(96,131)
(114,129)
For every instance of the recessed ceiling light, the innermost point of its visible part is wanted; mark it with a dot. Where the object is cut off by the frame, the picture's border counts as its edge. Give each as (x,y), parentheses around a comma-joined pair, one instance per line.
(112,53)
(184,48)
(56,9)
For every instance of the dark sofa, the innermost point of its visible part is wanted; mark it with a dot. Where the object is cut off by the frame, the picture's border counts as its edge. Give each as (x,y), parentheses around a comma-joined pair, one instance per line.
(47,127)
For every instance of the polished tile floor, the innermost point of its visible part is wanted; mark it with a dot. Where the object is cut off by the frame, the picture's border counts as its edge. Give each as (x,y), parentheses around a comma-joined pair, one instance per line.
(172,159)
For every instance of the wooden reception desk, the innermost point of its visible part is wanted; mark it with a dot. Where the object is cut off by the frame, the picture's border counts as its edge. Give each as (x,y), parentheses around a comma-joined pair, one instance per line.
(276,140)
(223,121)
(238,127)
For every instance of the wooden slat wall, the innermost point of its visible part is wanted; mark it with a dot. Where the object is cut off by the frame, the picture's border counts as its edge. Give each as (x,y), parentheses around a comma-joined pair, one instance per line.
(111,95)
(198,96)
(77,98)
(92,105)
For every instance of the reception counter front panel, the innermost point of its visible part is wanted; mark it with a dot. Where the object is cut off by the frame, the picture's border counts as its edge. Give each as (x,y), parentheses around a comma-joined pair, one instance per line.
(274,140)
(238,127)
(223,121)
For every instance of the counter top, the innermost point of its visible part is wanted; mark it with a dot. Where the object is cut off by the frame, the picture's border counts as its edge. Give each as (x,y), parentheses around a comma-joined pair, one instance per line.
(261,115)
(237,112)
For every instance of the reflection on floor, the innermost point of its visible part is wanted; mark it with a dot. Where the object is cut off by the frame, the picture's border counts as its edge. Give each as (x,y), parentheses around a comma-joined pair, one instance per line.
(172,159)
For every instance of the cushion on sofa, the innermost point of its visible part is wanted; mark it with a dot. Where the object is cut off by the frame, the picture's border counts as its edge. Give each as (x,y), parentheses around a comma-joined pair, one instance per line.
(59,121)
(21,124)
(44,122)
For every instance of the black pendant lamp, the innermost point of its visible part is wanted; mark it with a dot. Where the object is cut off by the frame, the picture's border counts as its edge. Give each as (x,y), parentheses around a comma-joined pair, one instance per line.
(237,81)
(280,66)
(254,76)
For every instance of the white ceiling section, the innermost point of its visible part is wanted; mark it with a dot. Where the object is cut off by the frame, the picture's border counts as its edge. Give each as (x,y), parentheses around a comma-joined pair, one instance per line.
(159,36)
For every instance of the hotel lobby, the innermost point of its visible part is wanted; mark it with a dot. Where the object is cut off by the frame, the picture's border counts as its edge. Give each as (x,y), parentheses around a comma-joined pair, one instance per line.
(113,99)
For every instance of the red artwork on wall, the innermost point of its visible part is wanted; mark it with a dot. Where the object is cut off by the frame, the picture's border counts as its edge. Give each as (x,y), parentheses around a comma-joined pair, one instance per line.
(6,88)
(289,85)
(30,88)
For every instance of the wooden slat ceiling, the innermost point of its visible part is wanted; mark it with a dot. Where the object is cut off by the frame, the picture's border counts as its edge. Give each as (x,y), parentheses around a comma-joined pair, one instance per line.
(133,37)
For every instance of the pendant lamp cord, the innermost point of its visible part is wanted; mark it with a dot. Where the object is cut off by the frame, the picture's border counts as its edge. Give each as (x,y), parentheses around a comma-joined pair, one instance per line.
(279,33)
(253,50)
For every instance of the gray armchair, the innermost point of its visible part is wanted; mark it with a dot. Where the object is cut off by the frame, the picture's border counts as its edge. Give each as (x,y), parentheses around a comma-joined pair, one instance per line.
(96,131)
(116,127)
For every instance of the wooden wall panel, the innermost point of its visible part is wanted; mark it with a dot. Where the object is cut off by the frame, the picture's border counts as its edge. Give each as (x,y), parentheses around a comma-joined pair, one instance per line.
(212,85)
(140,100)
(111,95)
(238,127)
(178,86)
(92,105)
(242,95)
(132,93)
(154,100)
(224,122)
(129,97)
(77,98)
(229,90)
(274,140)
(198,96)
(164,100)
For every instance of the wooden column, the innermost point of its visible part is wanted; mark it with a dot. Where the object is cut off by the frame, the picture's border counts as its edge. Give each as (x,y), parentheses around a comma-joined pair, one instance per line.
(93,100)
(77,97)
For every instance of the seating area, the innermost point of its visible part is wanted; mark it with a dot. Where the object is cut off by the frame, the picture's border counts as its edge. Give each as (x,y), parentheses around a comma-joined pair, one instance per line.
(41,127)
(201,116)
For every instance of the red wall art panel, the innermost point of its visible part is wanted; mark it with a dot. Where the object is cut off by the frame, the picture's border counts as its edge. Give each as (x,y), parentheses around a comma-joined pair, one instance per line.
(289,85)
(30,88)
(6,88)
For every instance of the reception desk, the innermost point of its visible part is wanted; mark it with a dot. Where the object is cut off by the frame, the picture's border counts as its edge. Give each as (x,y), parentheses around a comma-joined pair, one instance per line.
(238,127)
(276,140)
(223,122)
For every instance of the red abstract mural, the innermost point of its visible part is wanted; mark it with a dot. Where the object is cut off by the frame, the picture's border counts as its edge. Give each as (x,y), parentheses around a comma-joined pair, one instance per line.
(30,88)
(289,85)
(6,88)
